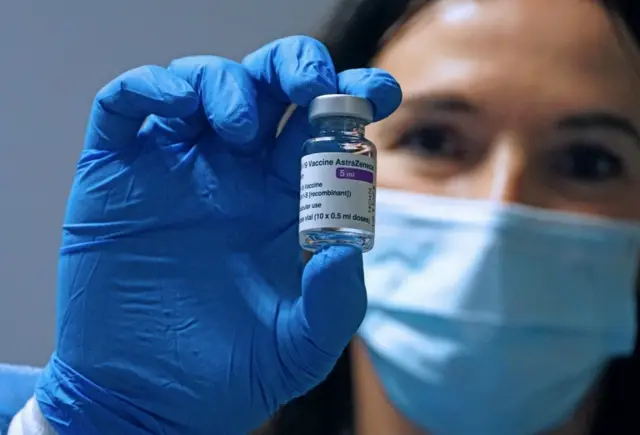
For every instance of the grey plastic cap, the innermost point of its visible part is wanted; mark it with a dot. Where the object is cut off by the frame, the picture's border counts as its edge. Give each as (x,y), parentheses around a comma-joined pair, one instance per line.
(341,105)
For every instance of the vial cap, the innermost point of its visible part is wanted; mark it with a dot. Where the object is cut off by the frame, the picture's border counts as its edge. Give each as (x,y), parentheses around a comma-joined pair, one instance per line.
(341,105)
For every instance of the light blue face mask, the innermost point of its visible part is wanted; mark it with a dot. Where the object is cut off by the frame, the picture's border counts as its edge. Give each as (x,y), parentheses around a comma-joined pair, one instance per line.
(489,319)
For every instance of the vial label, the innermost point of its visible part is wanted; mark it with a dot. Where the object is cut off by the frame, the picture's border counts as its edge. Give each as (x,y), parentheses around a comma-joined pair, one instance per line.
(337,190)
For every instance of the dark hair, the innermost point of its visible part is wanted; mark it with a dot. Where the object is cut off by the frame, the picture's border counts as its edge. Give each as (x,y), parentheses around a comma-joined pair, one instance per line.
(354,35)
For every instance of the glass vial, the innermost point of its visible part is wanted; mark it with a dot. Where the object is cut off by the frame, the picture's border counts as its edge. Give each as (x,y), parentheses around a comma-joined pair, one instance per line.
(338,175)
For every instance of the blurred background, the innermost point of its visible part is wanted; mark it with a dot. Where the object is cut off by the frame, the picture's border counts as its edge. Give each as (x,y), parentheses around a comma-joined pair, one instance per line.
(54,56)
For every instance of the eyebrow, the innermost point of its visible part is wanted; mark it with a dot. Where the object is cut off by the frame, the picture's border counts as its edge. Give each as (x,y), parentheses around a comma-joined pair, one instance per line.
(443,103)
(600,120)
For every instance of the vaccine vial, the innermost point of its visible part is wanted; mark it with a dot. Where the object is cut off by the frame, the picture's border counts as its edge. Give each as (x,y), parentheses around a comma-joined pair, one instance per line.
(338,175)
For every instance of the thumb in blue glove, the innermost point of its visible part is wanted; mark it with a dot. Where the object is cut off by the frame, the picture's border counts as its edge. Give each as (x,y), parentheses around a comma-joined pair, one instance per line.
(184,306)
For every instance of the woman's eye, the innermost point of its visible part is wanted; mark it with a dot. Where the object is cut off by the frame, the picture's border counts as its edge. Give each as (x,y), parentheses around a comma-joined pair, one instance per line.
(433,142)
(589,163)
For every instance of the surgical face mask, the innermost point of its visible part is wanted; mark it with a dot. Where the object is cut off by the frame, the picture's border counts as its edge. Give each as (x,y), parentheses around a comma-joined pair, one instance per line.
(490,319)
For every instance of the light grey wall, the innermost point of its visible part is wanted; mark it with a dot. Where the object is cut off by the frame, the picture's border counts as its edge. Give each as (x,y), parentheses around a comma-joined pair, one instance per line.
(54,56)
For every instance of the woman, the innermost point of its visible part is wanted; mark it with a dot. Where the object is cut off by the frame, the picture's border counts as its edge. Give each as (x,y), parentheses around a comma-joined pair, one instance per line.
(504,277)
(484,84)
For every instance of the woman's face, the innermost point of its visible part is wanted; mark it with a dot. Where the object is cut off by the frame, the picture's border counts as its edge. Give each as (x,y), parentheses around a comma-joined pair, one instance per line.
(518,101)
(528,101)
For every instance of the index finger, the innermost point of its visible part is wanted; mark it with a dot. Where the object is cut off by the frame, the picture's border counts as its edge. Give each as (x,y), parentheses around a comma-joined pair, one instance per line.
(377,86)
(295,70)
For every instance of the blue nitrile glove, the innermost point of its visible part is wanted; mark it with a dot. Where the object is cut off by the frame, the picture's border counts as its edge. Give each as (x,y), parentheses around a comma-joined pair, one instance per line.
(17,385)
(183,305)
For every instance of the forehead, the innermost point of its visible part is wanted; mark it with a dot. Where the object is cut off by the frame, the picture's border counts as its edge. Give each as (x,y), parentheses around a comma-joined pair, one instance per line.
(570,49)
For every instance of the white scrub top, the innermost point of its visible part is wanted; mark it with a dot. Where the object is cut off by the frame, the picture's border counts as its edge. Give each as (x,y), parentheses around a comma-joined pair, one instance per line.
(30,421)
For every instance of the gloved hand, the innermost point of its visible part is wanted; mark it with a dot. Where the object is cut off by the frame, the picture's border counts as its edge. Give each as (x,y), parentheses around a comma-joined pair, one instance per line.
(184,307)
(17,385)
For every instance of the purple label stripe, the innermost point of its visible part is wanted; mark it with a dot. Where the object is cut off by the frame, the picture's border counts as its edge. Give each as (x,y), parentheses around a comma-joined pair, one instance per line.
(354,174)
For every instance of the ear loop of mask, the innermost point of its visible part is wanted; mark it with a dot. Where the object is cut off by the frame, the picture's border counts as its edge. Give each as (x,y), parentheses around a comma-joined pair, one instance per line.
(305,256)
(635,357)
(629,39)
(285,118)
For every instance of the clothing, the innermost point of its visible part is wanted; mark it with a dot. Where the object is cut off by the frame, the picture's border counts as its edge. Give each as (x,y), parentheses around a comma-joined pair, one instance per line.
(493,319)
(30,421)
(17,384)
(183,304)
(412,334)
